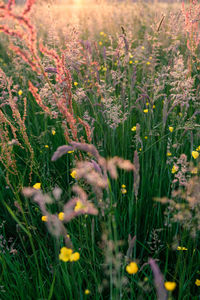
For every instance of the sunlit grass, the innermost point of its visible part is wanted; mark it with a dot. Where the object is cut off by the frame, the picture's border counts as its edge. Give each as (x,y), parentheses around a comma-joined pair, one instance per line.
(113,213)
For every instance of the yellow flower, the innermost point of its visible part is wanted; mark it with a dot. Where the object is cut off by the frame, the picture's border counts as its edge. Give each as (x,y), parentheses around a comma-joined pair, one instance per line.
(100,43)
(147,104)
(170,286)
(37,186)
(180,114)
(194,170)
(198,148)
(142,47)
(132,268)
(133,128)
(181,248)
(146,137)
(130,62)
(44,218)
(174,169)
(154,106)
(123,191)
(20,92)
(104,69)
(197,282)
(79,206)
(46,146)
(195,154)
(101,33)
(61,216)
(70,151)
(53,131)
(87,292)
(148,63)
(75,83)
(145,110)
(140,149)
(150,57)
(123,186)
(171,129)
(65,254)
(169,153)
(73,174)
(74,256)
(136,61)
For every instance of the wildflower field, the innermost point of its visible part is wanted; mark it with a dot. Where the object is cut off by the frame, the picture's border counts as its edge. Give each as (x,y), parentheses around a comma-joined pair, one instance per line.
(99,150)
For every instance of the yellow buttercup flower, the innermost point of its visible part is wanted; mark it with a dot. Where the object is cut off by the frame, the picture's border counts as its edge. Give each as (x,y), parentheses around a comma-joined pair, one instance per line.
(75,83)
(136,61)
(194,170)
(181,248)
(142,47)
(104,69)
(53,131)
(61,216)
(132,268)
(123,191)
(72,151)
(130,62)
(146,137)
(44,218)
(123,186)
(170,286)
(195,154)
(154,106)
(145,110)
(198,148)
(133,128)
(101,33)
(87,292)
(171,129)
(100,43)
(65,254)
(46,146)
(37,186)
(74,256)
(169,153)
(20,92)
(148,63)
(73,174)
(79,206)
(197,282)
(174,169)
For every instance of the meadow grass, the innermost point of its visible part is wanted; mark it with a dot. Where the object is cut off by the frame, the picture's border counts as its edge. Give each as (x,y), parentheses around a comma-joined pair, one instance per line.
(123,77)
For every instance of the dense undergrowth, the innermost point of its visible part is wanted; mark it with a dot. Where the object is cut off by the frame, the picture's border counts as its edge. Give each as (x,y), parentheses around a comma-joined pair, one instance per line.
(100,143)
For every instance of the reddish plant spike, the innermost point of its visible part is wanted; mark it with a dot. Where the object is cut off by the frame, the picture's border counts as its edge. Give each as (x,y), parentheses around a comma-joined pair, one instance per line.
(87,129)
(38,99)
(11,32)
(29,4)
(10,4)
(26,57)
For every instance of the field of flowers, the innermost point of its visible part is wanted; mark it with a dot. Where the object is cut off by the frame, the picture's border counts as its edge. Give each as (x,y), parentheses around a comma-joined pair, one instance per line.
(99,150)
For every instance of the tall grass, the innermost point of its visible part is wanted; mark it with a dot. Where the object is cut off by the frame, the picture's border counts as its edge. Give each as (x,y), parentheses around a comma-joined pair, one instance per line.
(100,142)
